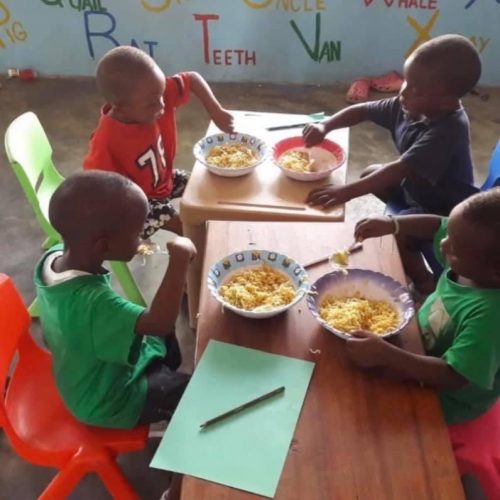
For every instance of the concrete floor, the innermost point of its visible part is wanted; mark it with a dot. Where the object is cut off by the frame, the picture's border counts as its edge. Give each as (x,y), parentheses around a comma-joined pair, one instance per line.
(68,109)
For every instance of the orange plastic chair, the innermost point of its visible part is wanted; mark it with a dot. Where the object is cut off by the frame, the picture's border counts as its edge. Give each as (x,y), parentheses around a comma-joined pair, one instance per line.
(39,427)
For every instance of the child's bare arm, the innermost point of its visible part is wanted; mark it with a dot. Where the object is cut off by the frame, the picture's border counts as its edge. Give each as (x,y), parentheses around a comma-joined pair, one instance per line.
(347,117)
(389,175)
(368,350)
(159,318)
(418,226)
(221,117)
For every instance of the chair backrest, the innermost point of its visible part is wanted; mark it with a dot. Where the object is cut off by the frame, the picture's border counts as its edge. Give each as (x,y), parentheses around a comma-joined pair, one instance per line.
(32,367)
(493,178)
(30,155)
(14,327)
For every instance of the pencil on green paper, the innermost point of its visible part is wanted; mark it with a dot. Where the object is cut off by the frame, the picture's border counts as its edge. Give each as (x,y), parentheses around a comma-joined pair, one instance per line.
(242,407)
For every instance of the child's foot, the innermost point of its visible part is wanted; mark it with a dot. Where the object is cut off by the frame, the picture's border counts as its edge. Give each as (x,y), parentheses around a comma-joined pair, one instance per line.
(358,91)
(174,491)
(391,82)
(157,429)
(165,495)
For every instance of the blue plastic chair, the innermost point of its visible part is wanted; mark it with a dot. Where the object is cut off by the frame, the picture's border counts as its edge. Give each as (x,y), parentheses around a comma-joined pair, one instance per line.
(493,179)
(30,156)
(427,247)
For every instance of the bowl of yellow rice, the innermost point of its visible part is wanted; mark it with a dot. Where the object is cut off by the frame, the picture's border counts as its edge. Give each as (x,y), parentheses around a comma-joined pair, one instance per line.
(307,164)
(360,300)
(230,155)
(257,283)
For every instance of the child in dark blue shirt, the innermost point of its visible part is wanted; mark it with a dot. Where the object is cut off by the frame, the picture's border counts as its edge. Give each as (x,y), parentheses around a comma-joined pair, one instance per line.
(431,132)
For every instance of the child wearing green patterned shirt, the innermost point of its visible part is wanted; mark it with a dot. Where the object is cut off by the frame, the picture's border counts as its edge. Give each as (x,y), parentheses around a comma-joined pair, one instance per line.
(115,362)
(460,332)
(459,322)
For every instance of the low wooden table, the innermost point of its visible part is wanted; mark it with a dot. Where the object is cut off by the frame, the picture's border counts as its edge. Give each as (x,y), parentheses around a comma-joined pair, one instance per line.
(359,436)
(265,194)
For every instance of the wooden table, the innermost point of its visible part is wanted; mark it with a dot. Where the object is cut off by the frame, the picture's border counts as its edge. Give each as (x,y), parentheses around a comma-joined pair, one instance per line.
(210,197)
(359,436)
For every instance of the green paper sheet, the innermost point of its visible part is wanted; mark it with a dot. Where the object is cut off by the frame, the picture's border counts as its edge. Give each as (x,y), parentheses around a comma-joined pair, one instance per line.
(247,450)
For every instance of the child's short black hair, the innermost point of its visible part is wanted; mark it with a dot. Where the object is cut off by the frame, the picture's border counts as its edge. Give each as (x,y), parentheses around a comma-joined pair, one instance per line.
(93,203)
(119,70)
(483,211)
(452,59)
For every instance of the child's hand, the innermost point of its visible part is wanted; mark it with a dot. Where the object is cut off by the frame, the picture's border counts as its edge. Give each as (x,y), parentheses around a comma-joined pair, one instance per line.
(224,120)
(181,248)
(373,227)
(328,196)
(366,349)
(313,134)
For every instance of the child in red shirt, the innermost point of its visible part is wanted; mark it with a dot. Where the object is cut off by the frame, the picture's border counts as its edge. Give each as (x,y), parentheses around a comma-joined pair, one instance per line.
(136,135)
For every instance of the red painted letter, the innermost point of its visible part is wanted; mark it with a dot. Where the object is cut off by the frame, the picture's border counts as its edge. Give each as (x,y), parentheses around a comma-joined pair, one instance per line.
(204,18)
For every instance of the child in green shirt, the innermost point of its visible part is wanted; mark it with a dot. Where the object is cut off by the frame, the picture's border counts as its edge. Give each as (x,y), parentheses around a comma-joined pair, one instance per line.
(114,361)
(459,324)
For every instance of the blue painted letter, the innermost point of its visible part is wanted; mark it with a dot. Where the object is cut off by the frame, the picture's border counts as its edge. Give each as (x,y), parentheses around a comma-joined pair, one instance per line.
(105,34)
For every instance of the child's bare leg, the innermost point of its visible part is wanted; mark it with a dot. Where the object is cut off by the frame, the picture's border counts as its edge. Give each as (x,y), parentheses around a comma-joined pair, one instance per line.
(174,225)
(174,491)
(180,180)
(414,265)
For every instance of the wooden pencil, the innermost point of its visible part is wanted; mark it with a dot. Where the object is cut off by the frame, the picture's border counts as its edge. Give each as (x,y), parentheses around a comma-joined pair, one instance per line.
(242,407)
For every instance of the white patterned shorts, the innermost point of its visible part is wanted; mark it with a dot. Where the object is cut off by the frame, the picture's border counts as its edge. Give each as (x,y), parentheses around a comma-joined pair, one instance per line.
(162,210)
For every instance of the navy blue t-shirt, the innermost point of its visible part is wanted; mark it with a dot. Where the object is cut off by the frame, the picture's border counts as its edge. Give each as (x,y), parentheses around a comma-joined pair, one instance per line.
(437,151)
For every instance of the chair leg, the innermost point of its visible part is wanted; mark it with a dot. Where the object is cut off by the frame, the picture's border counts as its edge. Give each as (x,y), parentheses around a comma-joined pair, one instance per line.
(115,482)
(103,465)
(64,483)
(127,282)
(49,242)
(33,309)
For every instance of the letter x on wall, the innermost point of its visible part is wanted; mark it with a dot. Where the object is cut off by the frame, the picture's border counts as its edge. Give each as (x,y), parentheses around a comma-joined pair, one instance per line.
(424,32)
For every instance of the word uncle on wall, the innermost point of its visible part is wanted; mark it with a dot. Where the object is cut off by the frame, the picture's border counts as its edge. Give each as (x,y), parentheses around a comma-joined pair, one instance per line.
(300,41)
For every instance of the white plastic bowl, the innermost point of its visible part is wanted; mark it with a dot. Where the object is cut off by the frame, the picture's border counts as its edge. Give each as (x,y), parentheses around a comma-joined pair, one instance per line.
(221,271)
(203,146)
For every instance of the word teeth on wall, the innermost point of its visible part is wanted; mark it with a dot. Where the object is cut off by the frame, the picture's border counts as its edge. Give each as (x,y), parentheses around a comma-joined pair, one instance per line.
(226,57)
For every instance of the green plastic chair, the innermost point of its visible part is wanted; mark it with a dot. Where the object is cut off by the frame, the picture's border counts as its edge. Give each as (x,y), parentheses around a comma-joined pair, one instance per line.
(30,155)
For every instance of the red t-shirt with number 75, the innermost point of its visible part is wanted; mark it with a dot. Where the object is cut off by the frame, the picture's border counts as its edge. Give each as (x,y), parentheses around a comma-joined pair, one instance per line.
(143,152)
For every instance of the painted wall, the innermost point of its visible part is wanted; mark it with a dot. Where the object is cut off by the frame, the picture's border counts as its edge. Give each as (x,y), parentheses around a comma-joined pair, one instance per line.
(302,41)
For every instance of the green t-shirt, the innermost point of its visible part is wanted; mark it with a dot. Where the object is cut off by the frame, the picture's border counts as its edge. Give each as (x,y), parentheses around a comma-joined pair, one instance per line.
(460,324)
(98,359)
